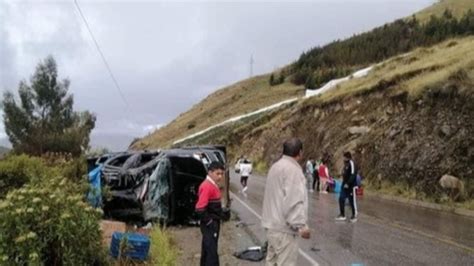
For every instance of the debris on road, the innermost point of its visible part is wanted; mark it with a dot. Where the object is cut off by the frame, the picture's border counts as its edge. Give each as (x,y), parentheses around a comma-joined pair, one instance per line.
(256,253)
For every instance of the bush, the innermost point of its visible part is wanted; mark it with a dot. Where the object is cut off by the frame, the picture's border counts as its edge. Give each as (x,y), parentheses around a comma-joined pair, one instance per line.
(162,251)
(48,223)
(15,171)
(74,170)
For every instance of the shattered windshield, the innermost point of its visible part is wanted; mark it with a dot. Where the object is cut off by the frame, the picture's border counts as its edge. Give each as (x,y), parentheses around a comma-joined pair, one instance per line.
(156,204)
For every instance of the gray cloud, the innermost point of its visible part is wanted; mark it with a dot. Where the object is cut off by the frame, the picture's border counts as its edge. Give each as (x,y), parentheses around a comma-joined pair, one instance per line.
(168,56)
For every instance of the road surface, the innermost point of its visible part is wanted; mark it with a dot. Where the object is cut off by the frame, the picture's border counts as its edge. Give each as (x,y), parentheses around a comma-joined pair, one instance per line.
(387,233)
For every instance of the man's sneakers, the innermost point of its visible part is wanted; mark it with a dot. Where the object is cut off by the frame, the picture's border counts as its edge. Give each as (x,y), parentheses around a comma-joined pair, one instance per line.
(343,218)
(324,192)
(244,189)
(311,190)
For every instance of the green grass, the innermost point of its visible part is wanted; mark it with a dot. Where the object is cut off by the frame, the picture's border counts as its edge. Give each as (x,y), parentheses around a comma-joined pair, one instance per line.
(457,7)
(413,72)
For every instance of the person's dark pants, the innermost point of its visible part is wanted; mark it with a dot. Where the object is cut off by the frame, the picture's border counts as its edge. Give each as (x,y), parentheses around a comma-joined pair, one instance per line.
(243,180)
(346,193)
(316,180)
(210,237)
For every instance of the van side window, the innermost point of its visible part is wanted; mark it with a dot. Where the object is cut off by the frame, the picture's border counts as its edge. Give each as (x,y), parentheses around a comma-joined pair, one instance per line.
(219,157)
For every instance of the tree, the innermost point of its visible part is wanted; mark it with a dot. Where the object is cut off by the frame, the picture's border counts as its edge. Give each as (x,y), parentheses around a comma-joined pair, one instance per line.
(272,80)
(44,119)
(310,82)
(281,79)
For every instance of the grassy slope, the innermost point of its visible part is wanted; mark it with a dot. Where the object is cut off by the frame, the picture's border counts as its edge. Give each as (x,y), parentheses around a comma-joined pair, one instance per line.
(428,65)
(252,94)
(415,73)
(425,75)
(457,7)
(240,98)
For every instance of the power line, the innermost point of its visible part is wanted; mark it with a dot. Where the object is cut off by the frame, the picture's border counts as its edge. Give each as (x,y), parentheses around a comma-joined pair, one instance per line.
(102,55)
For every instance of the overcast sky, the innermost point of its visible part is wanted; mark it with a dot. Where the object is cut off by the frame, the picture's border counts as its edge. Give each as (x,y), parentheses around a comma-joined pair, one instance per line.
(167,56)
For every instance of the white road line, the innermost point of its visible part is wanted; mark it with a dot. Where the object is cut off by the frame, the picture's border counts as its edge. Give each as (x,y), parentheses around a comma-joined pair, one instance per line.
(304,254)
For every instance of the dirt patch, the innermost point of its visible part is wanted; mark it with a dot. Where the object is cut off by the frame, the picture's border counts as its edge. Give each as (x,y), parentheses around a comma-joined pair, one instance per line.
(232,239)
(108,227)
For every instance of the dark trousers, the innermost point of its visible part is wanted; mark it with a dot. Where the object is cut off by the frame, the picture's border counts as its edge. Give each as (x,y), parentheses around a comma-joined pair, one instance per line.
(315,180)
(243,180)
(347,193)
(210,237)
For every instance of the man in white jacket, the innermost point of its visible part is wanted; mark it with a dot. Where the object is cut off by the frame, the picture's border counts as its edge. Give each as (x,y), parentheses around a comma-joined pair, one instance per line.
(285,206)
(245,172)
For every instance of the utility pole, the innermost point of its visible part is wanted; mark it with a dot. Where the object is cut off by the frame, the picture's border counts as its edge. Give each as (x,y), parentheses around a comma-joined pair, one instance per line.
(251,65)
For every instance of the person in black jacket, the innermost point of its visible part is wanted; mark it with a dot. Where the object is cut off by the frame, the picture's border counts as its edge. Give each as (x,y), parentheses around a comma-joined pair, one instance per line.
(349,175)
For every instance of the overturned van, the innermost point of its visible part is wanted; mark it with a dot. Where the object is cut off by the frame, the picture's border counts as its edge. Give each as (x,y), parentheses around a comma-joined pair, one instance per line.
(159,185)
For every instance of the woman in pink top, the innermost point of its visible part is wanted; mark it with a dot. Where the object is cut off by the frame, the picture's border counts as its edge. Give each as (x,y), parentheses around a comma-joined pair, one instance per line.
(324,177)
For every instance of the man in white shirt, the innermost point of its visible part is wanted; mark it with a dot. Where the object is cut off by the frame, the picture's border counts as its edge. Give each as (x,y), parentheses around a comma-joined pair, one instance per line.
(245,172)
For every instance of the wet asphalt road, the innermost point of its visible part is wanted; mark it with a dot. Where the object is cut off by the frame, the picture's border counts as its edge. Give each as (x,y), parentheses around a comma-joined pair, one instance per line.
(387,233)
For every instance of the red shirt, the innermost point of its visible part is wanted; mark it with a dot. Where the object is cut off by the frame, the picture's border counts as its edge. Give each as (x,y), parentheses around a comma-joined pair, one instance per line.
(323,171)
(209,200)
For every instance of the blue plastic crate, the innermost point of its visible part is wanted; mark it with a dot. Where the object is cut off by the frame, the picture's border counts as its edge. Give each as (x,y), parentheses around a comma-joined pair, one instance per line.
(137,245)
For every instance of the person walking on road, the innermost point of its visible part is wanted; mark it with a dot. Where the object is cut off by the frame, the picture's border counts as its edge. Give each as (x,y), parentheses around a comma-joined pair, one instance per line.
(309,172)
(349,175)
(285,206)
(245,172)
(316,183)
(209,209)
(324,177)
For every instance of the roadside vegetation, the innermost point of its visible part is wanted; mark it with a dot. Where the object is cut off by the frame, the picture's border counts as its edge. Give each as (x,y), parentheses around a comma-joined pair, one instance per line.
(45,218)
(163,250)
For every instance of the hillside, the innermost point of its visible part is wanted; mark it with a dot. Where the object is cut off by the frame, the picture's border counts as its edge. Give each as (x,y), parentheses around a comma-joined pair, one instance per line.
(457,7)
(240,98)
(249,95)
(409,122)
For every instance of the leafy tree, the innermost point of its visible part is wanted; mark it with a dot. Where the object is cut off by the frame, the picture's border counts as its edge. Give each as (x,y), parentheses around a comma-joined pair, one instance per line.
(44,120)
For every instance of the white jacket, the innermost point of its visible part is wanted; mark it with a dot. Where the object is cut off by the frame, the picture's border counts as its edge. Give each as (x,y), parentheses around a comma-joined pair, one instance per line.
(309,168)
(285,204)
(245,169)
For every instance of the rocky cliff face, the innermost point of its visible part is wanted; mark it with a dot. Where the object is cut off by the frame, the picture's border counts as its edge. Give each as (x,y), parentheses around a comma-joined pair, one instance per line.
(395,138)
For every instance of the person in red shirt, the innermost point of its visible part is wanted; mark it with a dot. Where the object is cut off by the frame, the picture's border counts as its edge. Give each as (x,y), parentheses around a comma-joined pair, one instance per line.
(324,177)
(209,210)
